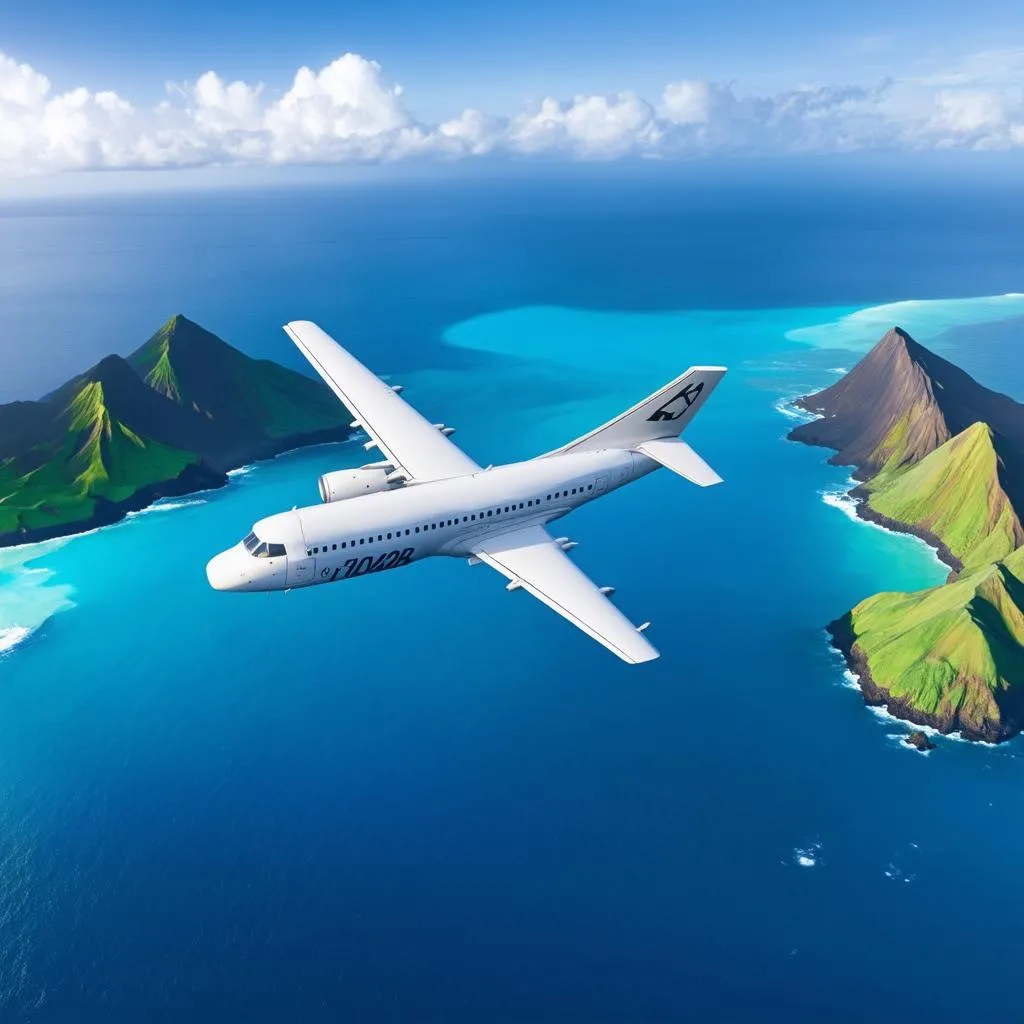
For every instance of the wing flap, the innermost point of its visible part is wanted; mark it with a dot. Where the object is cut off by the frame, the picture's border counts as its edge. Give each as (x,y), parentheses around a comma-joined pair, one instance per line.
(532,561)
(408,440)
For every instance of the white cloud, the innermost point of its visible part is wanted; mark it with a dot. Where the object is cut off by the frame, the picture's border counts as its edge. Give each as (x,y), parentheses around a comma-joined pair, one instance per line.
(590,126)
(349,111)
(972,111)
(686,102)
(344,111)
(472,132)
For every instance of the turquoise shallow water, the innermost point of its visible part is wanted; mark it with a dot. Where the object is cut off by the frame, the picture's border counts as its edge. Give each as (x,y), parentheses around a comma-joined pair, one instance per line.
(416,796)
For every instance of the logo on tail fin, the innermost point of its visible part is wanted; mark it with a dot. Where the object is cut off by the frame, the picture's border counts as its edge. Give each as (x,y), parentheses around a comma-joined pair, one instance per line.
(675,407)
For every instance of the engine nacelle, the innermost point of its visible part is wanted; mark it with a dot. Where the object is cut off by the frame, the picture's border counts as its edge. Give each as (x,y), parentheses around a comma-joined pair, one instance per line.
(351,483)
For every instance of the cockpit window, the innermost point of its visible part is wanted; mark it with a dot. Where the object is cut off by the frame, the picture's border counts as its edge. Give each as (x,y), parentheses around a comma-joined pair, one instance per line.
(261,549)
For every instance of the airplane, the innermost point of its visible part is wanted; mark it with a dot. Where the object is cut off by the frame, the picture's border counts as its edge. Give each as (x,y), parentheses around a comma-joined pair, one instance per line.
(427,497)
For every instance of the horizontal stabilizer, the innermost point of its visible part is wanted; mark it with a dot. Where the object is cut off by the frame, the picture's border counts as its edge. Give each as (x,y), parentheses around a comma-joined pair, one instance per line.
(680,458)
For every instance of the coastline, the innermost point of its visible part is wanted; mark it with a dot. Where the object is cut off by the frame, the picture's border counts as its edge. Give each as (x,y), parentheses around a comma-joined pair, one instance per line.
(859,496)
(840,632)
(975,709)
(842,639)
(196,477)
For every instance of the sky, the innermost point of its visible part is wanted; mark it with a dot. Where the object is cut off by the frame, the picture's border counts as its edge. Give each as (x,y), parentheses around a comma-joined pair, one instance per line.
(199,84)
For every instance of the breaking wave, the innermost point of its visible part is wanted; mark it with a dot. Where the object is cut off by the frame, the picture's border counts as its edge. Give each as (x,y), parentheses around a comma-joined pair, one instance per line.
(28,598)
(807,856)
(12,636)
(839,497)
(786,408)
(167,505)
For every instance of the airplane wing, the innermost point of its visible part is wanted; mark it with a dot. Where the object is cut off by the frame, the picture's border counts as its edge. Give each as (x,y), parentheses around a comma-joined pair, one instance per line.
(411,443)
(532,560)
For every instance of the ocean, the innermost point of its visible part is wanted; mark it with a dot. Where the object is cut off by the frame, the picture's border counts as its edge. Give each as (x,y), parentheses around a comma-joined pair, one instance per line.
(418,797)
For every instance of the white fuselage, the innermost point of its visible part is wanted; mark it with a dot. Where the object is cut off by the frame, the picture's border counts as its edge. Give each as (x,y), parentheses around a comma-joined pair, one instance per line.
(389,529)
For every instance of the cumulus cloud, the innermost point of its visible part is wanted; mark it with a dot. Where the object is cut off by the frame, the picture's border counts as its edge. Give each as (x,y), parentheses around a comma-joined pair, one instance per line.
(590,126)
(350,111)
(983,119)
(686,102)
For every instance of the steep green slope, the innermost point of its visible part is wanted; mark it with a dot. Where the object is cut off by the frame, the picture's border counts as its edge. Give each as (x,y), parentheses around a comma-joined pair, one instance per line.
(173,418)
(953,494)
(940,456)
(951,657)
(95,458)
(900,403)
(242,398)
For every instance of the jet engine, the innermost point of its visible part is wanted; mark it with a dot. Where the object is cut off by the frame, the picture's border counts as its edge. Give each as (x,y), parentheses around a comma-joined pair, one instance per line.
(351,483)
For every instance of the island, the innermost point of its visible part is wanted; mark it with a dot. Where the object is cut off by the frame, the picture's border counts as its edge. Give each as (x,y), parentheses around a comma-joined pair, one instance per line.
(935,454)
(172,418)
(919,741)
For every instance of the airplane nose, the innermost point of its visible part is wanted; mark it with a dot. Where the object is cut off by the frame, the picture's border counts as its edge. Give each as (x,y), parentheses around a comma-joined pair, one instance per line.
(223,571)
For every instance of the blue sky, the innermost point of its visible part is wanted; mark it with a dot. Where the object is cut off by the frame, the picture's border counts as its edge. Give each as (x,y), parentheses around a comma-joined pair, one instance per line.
(454,53)
(654,78)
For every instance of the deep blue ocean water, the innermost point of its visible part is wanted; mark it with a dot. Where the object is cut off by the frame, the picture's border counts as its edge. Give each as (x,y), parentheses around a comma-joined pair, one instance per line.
(418,797)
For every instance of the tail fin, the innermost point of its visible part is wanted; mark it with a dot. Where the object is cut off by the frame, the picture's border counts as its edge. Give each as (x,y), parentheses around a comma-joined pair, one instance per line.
(665,414)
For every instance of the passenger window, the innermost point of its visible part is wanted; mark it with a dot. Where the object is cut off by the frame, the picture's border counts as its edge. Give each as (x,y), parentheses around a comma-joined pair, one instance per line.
(473,517)
(309,552)
(489,513)
(362,540)
(590,487)
(334,547)
(417,529)
(342,543)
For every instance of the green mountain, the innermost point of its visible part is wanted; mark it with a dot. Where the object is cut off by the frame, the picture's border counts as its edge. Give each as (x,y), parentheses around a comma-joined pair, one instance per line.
(172,418)
(951,657)
(901,402)
(953,496)
(242,398)
(940,456)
